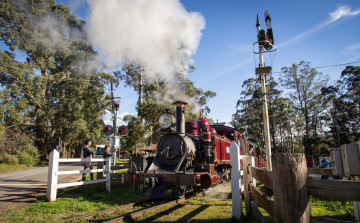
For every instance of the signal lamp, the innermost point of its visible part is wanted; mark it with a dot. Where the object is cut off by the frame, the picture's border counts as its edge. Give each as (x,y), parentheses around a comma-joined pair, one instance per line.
(108,130)
(123,130)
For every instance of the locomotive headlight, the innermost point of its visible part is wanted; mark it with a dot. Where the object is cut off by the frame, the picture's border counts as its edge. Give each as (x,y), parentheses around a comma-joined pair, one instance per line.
(166,120)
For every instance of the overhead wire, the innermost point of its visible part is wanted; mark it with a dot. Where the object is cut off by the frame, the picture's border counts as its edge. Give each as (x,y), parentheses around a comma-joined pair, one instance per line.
(333,65)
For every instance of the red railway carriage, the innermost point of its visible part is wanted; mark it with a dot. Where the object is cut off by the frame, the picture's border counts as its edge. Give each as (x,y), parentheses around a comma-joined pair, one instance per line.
(196,156)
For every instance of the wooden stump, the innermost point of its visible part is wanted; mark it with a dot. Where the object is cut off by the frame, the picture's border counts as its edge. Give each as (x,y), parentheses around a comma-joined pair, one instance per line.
(292,202)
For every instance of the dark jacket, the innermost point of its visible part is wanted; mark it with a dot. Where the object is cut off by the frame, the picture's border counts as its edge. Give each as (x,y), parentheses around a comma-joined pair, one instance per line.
(87,152)
(108,154)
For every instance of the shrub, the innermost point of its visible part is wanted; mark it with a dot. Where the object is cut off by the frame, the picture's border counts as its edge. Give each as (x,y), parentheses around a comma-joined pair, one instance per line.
(32,151)
(26,159)
(9,159)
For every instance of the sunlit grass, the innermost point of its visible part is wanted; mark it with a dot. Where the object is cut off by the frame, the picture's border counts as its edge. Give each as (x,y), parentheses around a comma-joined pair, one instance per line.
(83,200)
(70,203)
(4,168)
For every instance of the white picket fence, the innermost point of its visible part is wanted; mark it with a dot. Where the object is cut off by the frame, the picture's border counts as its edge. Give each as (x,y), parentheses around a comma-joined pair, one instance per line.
(54,172)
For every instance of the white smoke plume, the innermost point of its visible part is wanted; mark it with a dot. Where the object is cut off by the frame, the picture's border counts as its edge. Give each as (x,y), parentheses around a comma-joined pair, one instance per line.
(174,94)
(159,35)
(221,191)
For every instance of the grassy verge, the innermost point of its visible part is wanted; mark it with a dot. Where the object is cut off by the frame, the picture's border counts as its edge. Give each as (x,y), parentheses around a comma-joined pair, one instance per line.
(79,201)
(82,200)
(324,208)
(5,168)
(70,203)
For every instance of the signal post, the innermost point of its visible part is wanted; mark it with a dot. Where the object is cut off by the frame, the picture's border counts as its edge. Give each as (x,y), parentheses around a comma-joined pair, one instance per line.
(113,131)
(265,43)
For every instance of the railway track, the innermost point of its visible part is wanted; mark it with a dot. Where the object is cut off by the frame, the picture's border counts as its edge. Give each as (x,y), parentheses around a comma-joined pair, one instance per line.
(126,213)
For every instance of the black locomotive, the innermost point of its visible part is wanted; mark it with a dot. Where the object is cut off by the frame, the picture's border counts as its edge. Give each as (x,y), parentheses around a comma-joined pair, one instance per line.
(194,157)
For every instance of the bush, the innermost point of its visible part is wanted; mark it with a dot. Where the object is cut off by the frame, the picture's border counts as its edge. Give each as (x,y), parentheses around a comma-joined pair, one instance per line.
(32,151)
(10,159)
(26,159)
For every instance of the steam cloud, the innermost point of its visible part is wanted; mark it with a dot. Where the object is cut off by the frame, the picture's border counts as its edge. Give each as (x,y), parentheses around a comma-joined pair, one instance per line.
(159,35)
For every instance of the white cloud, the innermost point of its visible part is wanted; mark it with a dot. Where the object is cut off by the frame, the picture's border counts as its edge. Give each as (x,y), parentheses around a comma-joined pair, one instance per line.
(352,50)
(353,47)
(343,11)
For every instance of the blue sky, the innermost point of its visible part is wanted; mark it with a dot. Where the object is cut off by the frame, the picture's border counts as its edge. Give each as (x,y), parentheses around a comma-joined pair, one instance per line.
(322,32)
(303,30)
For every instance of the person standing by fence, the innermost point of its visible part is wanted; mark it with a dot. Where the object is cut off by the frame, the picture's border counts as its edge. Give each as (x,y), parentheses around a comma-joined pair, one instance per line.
(87,152)
(107,153)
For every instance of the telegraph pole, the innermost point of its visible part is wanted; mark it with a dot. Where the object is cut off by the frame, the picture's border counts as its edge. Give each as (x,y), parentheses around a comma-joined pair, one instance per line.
(265,44)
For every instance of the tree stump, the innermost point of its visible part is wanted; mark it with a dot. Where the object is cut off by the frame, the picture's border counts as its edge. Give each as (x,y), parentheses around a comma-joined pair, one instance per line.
(292,202)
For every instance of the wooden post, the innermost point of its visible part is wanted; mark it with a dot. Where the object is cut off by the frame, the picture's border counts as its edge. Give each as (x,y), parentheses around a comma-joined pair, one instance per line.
(356,204)
(235,181)
(292,202)
(108,175)
(351,159)
(246,162)
(52,176)
(100,175)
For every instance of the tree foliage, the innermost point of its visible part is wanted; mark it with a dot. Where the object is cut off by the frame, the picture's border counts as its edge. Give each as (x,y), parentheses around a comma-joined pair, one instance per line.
(314,117)
(343,112)
(55,94)
(249,116)
(305,84)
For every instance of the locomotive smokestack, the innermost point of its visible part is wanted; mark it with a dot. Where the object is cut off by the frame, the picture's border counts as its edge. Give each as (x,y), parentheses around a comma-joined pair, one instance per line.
(180,116)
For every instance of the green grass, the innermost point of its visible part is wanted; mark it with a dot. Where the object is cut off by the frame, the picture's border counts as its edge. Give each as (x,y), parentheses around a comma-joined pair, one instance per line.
(77,201)
(4,168)
(198,209)
(122,161)
(324,208)
(91,199)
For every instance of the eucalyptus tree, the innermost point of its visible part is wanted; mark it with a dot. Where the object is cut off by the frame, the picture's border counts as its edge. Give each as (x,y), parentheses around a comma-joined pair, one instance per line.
(350,80)
(305,84)
(248,117)
(52,88)
(344,110)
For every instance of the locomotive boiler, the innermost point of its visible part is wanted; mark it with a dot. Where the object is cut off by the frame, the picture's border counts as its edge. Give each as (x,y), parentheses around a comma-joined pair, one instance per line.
(190,156)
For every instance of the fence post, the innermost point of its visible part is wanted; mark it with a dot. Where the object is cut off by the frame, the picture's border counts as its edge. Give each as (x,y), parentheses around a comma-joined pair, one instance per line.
(52,175)
(235,181)
(246,162)
(108,175)
(356,204)
(292,202)
(115,159)
(100,165)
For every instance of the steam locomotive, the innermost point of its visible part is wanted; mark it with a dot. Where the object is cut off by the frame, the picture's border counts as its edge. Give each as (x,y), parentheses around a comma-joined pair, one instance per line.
(194,157)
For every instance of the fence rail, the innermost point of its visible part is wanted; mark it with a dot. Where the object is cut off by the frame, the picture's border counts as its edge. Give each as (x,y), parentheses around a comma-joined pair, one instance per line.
(54,172)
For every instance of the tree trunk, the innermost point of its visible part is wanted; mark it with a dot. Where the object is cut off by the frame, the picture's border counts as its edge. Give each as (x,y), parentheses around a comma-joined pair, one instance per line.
(141,88)
(281,138)
(273,136)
